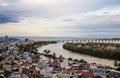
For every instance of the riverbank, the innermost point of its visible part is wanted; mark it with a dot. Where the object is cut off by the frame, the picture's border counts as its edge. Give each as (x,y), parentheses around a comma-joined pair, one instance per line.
(58,49)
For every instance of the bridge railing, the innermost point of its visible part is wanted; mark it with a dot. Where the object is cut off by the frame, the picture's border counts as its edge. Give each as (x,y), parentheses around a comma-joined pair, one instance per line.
(86,41)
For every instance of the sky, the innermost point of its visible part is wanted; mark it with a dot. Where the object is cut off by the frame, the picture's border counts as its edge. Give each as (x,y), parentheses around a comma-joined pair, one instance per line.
(60,18)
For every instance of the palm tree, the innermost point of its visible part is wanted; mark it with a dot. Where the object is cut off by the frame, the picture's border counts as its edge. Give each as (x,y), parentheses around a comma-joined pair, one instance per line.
(70,58)
(6,37)
(61,58)
(54,55)
(26,39)
(115,63)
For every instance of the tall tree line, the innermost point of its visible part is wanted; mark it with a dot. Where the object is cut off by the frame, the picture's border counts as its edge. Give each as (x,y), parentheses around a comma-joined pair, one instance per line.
(93,51)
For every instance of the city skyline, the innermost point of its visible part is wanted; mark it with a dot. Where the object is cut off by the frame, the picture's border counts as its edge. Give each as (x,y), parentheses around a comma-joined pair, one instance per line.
(56,18)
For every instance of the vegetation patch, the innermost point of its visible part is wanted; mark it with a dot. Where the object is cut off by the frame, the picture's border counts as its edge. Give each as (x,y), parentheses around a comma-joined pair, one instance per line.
(102,50)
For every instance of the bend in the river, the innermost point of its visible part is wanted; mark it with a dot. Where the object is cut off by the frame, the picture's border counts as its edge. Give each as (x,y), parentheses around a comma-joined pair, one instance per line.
(58,49)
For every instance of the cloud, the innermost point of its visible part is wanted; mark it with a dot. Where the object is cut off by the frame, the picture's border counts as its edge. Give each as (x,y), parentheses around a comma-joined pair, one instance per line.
(3,3)
(61,17)
(10,17)
(54,8)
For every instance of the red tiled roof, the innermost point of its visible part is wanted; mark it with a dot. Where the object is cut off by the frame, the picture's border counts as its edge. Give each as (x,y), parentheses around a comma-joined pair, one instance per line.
(87,74)
(1,69)
(70,69)
(87,65)
(80,71)
(16,65)
(94,64)
(57,58)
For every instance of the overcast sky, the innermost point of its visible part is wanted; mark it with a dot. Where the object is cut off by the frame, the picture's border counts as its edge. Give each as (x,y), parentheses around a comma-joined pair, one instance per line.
(66,18)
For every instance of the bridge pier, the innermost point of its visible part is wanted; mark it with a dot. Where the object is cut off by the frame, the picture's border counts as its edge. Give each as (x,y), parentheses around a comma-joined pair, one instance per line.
(91,40)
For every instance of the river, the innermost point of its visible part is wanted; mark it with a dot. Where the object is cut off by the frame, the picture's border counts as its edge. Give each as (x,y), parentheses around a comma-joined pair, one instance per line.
(57,48)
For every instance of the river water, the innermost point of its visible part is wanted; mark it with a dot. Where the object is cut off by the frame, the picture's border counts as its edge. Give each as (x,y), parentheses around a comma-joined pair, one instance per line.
(57,48)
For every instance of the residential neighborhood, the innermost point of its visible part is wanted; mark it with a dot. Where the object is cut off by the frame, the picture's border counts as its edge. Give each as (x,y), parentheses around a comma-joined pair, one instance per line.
(17,64)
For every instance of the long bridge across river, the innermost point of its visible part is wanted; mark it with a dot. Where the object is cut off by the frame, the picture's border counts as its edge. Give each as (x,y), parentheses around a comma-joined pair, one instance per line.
(91,40)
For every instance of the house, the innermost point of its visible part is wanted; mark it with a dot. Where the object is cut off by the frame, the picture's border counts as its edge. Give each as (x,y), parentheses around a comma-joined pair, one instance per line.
(92,66)
(1,72)
(28,59)
(100,72)
(42,58)
(24,76)
(25,71)
(87,66)
(7,67)
(32,73)
(87,75)
(16,75)
(113,73)
(104,71)
(16,68)
(64,64)
(111,47)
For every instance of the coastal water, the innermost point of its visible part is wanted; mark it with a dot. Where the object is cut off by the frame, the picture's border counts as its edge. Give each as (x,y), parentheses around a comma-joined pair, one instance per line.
(57,48)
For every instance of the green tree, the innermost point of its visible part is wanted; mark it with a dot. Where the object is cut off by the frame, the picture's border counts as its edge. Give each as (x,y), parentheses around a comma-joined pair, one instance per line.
(54,55)
(76,60)
(83,61)
(115,63)
(1,77)
(94,49)
(70,58)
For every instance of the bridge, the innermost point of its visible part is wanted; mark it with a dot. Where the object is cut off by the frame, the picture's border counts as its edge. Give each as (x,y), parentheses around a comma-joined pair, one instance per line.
(91,40)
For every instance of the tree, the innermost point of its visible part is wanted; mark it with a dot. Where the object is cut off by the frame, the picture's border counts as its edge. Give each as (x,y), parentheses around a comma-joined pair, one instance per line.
(6,37)
(1,58)
(54,55)
(94,49)
(118,69)
(76,60)
(46,51)
(7,73)
(115,63)
(83,61)
(61,58)
(70,58)
(1,77)
(26,39)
